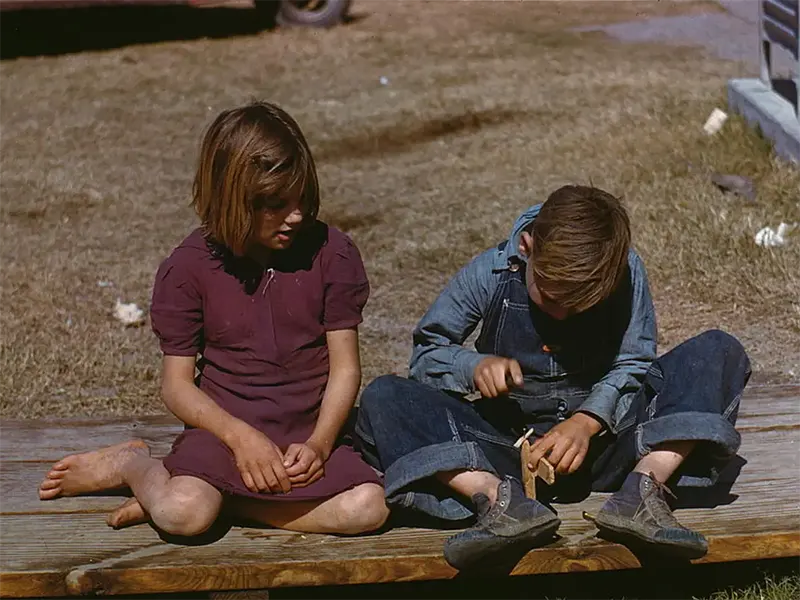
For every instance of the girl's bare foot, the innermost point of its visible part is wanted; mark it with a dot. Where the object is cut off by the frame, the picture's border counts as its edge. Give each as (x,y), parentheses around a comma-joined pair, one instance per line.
(91,471)
(126,514)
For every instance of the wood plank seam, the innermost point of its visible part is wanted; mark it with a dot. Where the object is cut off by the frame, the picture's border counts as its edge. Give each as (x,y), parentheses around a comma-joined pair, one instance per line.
(80,581)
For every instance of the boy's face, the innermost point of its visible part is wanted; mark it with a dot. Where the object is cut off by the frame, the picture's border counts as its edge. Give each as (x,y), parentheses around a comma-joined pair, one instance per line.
(539,297)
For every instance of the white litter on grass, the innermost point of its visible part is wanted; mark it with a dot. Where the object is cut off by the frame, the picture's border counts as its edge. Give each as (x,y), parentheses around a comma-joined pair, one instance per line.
(103,283)
(129,314)
(769,237)
(715,121)
(384,80)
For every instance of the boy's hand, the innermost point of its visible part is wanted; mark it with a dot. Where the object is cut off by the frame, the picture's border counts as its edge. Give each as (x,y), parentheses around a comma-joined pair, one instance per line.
(303,463)
(260,462)
(566,444)
(494,374)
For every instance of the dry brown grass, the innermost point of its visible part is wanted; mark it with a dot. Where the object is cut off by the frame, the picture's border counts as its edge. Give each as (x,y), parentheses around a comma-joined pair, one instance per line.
(489,108)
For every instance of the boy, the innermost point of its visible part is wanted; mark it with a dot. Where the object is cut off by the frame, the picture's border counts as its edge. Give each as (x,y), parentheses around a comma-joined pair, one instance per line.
(567,348)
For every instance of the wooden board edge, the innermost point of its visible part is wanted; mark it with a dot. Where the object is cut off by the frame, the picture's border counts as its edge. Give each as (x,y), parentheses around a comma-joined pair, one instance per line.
(33,584)
(65,511)
(730,548)
(131,423)
(590,555)
(190,578)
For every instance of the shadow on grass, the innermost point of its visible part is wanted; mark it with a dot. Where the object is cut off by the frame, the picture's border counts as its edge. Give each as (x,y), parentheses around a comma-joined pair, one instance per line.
(61,30)
(405,135)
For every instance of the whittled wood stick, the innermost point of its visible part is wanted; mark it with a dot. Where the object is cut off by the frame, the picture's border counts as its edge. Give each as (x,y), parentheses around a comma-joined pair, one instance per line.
(544,470)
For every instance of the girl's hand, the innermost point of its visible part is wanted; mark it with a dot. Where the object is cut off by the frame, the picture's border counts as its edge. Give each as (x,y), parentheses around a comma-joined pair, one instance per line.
(260,462)
(304,463)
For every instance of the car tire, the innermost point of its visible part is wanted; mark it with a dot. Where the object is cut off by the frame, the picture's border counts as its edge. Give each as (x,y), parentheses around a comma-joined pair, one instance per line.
(312,13)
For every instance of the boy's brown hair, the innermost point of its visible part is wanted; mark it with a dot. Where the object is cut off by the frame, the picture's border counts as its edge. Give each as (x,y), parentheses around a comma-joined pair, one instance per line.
(581,238)
(249,156)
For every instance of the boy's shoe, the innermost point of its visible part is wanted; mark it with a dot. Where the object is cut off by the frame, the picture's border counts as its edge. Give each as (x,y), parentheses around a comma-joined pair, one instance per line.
(513,523)
(638,514)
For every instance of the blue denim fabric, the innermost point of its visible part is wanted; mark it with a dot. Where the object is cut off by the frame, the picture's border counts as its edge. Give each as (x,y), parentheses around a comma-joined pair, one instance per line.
(562,361)
(690,393)
(412,431)
(441,361)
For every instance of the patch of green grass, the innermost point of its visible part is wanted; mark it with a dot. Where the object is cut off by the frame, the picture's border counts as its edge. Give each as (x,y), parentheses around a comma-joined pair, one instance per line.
(786,588)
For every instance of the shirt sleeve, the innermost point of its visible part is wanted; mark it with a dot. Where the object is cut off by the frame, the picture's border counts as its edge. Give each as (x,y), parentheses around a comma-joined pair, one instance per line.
(176,311)
(439,358)
(346,288)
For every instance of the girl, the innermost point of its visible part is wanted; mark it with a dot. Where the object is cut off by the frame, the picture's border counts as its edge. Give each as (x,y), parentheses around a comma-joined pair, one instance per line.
(269,298)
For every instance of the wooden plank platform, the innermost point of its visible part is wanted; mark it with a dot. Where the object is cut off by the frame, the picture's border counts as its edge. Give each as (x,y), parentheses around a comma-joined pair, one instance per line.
(63,547)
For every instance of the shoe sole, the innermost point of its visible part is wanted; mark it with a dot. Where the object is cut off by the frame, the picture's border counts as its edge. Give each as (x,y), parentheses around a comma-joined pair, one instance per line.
(484,548)
(633,538)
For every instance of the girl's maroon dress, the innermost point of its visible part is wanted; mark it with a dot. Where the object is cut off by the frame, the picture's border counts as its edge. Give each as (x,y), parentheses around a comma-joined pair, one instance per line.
(260,335)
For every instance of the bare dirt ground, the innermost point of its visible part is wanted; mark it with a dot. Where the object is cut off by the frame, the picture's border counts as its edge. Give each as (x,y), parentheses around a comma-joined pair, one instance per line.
(487,109)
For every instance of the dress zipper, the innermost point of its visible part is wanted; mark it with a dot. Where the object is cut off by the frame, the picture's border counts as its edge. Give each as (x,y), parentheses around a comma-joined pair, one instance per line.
(270,277)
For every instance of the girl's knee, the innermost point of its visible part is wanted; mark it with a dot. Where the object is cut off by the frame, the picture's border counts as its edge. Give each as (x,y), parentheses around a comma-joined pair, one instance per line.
(187,510)
(365,508)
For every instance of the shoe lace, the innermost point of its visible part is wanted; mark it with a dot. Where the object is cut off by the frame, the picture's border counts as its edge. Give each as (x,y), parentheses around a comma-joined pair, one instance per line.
(660,508)
(658,486)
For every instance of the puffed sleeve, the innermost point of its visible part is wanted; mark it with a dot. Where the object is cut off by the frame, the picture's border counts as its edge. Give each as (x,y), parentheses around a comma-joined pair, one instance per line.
(346,284)
(176,311)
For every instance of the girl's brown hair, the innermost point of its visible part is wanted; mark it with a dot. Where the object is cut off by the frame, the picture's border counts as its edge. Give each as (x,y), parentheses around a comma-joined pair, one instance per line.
(250,155)
(581,239)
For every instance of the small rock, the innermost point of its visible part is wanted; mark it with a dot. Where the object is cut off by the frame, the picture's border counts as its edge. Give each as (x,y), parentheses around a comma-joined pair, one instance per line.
(736,184)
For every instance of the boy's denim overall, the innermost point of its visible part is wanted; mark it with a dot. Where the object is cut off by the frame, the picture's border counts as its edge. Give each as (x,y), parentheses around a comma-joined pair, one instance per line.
(412,431)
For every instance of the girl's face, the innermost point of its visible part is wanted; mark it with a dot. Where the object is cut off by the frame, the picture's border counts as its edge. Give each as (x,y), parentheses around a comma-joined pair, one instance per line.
(277,220)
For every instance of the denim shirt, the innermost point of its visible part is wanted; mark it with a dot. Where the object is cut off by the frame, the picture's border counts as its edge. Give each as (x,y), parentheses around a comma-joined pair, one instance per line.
(440,359)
